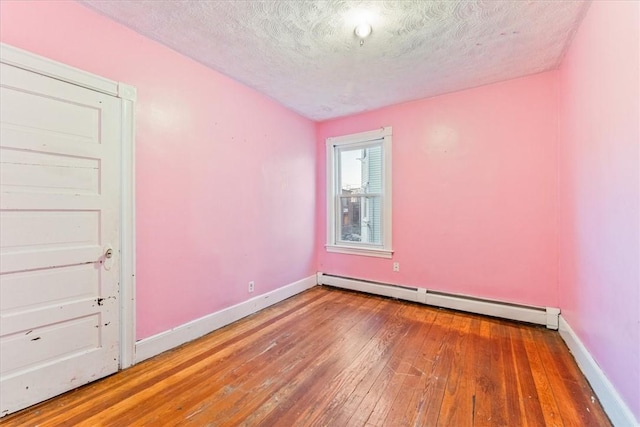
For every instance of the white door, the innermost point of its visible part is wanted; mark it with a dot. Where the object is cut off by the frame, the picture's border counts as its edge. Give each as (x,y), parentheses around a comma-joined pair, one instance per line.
(59,215)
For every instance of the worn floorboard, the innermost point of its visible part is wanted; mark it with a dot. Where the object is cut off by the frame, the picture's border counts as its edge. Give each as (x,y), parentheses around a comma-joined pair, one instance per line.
(329,357)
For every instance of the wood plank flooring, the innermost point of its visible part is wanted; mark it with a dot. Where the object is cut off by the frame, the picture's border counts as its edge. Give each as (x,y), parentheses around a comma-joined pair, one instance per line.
(329,357)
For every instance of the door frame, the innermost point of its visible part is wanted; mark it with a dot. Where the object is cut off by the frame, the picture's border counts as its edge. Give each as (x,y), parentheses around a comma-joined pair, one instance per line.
(127,94)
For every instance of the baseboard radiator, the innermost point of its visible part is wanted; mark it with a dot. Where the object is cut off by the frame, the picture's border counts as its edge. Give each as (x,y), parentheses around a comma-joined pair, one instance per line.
(547,316)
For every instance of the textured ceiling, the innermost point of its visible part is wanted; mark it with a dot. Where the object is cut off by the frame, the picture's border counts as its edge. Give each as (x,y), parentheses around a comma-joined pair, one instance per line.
(305,55)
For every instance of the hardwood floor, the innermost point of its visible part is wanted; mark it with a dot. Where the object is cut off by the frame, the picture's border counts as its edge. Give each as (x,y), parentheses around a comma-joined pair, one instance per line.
(329,357)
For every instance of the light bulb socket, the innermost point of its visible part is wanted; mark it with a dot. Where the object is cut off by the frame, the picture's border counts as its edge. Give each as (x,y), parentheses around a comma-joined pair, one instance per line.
(363,30)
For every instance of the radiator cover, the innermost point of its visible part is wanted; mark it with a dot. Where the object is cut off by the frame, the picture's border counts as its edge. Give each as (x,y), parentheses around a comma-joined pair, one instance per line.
(547,316)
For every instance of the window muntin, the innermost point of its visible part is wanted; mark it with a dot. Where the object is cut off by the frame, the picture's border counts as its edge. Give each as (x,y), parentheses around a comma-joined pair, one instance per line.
(359,193)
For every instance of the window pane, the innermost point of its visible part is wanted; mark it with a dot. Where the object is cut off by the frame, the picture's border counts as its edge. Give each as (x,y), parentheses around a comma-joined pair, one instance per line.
(361,170)
(351,171)
(372,169)
(374,223)
(350,219)
(360,219)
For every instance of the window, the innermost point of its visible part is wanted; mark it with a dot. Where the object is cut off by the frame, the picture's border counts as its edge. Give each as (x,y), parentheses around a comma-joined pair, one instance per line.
(359,193)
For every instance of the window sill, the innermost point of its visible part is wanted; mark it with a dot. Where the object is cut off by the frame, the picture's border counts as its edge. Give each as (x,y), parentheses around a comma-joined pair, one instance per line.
(353,250)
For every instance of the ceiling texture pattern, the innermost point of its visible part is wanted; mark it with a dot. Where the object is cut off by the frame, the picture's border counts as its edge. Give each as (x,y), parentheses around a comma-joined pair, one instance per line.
(305,55)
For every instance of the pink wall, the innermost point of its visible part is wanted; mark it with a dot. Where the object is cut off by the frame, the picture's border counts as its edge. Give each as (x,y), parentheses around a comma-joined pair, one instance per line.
(599,192)
(225,176)
(474,192)
(226,181)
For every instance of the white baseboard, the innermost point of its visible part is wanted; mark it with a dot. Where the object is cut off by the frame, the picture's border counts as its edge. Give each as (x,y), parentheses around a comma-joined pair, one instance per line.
(167,340)
(547,316)
(617,410)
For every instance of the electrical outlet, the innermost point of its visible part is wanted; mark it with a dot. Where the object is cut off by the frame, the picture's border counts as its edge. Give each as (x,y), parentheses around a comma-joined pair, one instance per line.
(252,285)
(396,266)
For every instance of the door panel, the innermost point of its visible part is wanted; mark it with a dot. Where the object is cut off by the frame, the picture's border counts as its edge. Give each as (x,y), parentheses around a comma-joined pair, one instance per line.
(40,172)
(28,290)
(33,112)
(59,212)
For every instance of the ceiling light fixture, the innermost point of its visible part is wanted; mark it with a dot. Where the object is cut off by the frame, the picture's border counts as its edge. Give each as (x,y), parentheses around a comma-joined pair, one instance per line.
(363,31)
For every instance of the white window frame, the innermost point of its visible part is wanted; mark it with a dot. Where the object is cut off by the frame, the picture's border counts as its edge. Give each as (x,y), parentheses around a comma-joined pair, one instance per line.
(333,192)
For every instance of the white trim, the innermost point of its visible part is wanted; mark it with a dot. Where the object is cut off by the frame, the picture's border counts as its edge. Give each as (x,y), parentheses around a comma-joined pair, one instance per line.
(547,316)
(127,92)
(57,70)
(615,407)
(356,139)
(353,250)
(167,340)
(50,68)
(363,137)
(331,174)
(127,95)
